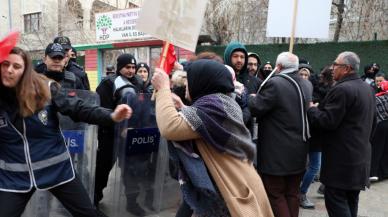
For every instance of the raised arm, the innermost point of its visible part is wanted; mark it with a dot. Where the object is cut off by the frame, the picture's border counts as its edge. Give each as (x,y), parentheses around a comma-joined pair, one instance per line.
(78,110)
(171,124)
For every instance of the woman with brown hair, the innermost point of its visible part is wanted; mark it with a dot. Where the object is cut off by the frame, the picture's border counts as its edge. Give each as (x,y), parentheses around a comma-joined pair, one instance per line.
(33,153)
(211,145)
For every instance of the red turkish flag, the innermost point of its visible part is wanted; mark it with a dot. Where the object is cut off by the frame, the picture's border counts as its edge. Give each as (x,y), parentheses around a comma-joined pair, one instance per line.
(167,58)
(7,44)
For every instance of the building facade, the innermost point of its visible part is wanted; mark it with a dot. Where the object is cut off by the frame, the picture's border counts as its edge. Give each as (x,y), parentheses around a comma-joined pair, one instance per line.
(41,21)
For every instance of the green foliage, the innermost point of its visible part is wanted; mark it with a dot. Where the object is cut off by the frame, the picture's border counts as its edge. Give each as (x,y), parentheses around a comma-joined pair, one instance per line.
(319,54)
(104,21)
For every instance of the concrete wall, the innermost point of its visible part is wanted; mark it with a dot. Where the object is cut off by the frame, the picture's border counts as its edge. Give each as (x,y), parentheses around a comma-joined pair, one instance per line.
(4,17)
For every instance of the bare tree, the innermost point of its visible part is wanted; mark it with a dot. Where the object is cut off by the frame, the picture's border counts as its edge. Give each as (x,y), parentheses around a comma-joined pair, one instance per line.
(364,19)
(241,20)
(355,20)
(340,13)
(225,20)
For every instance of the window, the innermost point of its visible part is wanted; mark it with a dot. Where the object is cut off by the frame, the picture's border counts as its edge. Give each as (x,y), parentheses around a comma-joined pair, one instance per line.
(32,22)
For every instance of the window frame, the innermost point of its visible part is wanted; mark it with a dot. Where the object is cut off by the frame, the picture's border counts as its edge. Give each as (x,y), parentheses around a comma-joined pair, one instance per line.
(32,22)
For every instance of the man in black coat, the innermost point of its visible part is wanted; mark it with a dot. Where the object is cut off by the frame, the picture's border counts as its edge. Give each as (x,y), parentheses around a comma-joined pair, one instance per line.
(72,66)
(112,90)
(53,67)
(346,117)
(280,106)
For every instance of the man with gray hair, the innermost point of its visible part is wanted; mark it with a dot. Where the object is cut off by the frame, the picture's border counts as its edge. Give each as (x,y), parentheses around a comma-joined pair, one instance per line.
(345,117)
(280,106)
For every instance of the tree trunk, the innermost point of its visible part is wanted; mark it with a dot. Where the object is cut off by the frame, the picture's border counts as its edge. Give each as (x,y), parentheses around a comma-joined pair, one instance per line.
(340,17)
(60,11)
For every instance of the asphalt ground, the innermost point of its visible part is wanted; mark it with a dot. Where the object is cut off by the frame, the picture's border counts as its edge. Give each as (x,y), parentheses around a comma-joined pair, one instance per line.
(373,201)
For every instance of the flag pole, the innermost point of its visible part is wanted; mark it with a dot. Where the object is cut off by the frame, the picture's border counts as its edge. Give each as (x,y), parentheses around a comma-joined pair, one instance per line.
(164,54)
(295,12)
(161,64)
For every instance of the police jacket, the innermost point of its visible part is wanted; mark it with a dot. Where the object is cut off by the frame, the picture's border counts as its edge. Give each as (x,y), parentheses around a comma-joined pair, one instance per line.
(122,87)
(113,87)
(80,73)
(66,79)
(110,90)
(33,152)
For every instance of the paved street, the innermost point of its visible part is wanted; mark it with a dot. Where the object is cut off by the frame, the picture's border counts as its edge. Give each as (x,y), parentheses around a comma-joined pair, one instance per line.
(373,202)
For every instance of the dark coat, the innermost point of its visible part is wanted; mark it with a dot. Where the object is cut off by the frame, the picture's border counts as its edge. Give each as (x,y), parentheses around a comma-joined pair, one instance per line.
(346,117)
(108,100)
(281,149)
(67,79)
(319,93)
(80,73)
(252,83)
(105,91)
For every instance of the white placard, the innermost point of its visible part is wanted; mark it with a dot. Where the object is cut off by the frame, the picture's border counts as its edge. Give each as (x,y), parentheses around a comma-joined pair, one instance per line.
(312,21)
(118,25)
(176,21)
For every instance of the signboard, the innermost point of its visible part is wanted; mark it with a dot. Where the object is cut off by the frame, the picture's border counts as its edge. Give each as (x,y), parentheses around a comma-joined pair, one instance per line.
(74,140)
(118,25)
(142,141)
(176,21)
(312,18)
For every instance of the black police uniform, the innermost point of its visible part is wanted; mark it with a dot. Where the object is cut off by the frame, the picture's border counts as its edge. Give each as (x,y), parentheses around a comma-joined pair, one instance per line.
(71,65)
(80,73)
(104,162)
(66,78)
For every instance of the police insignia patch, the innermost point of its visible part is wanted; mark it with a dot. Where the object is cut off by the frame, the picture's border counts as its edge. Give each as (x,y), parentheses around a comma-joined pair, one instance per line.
(43,117)
(56,48)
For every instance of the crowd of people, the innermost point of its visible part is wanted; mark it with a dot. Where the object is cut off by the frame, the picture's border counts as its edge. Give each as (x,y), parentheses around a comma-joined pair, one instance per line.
(332,125)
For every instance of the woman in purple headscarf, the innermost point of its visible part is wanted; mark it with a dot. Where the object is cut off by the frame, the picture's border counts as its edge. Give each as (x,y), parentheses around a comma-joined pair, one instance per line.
(211,145)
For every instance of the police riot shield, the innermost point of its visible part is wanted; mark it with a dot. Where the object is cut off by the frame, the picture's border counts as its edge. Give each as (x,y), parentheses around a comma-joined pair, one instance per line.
(140,183)
(81,141)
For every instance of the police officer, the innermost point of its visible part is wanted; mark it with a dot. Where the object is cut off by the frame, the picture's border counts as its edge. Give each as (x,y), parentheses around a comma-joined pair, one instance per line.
(54,67)
(33,153)
(71,65)
(110,70)
(73,55)
(111,90)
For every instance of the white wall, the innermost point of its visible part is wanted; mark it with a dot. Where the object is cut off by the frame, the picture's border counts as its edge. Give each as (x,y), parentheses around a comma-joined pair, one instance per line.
(4,17)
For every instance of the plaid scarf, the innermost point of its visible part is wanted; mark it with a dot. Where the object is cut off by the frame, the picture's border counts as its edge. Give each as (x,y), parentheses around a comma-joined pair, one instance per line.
(382,107)
(218,119)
